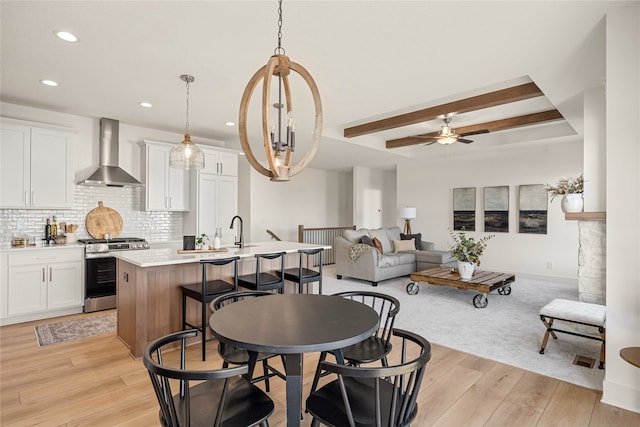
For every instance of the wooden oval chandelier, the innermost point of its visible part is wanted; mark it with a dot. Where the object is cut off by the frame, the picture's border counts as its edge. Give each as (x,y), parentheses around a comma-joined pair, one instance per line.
(279,65)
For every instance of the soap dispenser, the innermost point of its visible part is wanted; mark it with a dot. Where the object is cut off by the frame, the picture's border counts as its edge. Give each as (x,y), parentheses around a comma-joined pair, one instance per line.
(216,240)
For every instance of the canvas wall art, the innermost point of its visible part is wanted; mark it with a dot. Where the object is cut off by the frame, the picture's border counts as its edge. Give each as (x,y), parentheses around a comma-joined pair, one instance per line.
(464,209)
(496,209)
(532,204)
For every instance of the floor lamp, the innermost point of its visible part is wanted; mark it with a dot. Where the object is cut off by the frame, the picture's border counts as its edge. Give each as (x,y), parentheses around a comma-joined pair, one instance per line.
(407,214)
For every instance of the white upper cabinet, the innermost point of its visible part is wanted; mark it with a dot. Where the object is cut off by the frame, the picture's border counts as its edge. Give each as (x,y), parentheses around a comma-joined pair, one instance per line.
(167,189)
(219,162)
(36,166)
(214,196)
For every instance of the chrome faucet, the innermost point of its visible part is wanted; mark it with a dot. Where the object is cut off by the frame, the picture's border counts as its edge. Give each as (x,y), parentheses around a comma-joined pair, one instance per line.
(240,243)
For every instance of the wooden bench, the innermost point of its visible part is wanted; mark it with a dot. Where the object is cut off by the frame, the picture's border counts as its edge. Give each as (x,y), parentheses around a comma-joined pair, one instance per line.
(582,313)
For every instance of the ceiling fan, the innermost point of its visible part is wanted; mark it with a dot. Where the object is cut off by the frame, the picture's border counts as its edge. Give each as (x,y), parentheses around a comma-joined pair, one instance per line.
(448,136)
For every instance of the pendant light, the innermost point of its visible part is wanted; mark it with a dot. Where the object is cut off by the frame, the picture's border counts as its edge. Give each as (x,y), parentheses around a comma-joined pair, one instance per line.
(186,155)
(278,149)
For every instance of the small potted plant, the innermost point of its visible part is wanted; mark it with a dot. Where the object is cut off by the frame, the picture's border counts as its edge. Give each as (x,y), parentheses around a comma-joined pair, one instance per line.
(571,190)
(200,240)
(467,251)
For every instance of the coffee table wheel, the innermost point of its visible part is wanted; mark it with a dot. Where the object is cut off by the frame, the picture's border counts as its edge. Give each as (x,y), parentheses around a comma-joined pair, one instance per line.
(480,301)
(413,288)
(505,290)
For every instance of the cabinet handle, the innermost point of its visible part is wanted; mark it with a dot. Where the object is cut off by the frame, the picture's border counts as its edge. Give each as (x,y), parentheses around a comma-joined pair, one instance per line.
(220,167)
(50,274)
(33,198)
(169,202)
(44,278)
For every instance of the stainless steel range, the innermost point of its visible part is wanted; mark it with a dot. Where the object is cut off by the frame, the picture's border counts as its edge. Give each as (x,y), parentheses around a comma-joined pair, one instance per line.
(100,270)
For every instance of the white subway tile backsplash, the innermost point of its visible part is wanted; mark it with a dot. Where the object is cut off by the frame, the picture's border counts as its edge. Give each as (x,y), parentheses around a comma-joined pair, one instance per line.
(128,201)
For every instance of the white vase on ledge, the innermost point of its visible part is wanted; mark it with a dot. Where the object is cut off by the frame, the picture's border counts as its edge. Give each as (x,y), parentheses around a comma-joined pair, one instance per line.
(572,203)
(465,269)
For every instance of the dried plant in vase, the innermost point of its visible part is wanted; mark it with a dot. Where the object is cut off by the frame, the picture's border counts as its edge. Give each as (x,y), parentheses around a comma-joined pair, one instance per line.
(566,186)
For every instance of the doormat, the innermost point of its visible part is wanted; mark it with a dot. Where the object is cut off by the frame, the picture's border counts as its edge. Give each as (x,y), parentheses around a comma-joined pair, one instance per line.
(69,330)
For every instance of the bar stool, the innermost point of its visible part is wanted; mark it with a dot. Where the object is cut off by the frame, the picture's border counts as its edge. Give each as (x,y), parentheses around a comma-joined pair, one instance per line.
(302,275)
(206,292)
(265,281)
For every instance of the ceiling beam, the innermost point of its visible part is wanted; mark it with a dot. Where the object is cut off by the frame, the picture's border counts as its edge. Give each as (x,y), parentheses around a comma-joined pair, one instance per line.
(494,126)
(491,99)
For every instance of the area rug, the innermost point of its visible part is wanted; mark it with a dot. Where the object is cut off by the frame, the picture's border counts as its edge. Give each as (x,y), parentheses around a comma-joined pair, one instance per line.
(508,330)
(69,330)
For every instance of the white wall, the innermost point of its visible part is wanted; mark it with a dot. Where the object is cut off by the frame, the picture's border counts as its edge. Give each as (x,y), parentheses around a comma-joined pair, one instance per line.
(428,184)
(374,199)
(622,381)
(595,155)
(313,198)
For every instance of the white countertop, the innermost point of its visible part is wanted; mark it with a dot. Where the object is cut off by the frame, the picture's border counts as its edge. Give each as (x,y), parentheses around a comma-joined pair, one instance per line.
(6,247)
(170,256)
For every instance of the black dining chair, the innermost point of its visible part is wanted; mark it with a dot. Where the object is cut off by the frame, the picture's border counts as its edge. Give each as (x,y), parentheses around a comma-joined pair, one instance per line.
(205,292)
(265,280)
(302,275)
(232,355)
(373,396)
(378,345)
(218,397)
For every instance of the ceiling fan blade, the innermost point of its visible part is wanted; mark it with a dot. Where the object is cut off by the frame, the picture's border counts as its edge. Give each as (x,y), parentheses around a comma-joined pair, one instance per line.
(464,141)
(477,132)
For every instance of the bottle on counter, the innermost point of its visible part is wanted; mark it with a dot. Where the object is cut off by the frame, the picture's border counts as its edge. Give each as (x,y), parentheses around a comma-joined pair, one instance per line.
(47,231)
(216,240)
(54,227)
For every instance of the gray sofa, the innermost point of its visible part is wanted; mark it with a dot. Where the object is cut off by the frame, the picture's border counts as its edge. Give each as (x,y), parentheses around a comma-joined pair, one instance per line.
(360,261)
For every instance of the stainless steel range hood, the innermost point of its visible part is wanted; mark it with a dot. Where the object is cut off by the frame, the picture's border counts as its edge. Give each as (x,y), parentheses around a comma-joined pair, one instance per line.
(109,173)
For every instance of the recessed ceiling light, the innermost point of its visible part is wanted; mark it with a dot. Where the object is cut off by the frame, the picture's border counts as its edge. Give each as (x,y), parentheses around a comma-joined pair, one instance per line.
(49,82)
(230,123)
(146,104)
(66,36)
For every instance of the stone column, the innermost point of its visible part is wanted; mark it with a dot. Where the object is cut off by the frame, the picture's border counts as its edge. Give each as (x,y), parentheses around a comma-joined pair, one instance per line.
(592,258)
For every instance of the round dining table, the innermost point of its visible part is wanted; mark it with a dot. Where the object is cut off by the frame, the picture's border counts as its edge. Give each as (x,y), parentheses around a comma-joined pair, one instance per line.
(294,324)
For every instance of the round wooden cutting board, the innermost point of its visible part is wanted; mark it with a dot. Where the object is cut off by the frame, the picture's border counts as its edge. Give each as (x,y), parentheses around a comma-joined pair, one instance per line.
(103,220)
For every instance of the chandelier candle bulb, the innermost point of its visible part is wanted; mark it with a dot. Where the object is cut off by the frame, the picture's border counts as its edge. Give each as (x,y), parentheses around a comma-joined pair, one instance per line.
(293,138)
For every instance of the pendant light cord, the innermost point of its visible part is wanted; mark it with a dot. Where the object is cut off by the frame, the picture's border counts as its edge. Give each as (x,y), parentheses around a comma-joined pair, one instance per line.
(187,126)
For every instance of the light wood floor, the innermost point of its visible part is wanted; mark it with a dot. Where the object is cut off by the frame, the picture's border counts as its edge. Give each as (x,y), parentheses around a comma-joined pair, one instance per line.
(94,382)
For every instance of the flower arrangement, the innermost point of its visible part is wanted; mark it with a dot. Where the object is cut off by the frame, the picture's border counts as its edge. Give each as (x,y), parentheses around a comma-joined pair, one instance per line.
(467,249)
(566,186)
(201,239)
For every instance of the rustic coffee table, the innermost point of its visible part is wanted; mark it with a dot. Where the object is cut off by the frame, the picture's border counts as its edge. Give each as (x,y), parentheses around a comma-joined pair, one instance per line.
(481,281)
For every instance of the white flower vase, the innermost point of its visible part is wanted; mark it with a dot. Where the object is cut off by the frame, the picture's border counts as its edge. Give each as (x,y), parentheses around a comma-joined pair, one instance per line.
(465,269)
(572,203)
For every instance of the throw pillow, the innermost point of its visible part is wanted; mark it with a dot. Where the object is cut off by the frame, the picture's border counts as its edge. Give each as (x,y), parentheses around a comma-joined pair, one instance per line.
(417,236)
(377,244)
(404,245)
(366,240)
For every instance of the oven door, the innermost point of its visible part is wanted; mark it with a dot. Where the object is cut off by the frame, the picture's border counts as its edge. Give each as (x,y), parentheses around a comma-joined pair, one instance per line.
(100,277)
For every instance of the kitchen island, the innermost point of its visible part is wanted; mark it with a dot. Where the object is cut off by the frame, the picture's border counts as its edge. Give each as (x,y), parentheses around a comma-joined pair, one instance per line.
(149,299)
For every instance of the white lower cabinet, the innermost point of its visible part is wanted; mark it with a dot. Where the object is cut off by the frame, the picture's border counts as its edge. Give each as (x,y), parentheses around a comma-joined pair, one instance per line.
(42,283)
